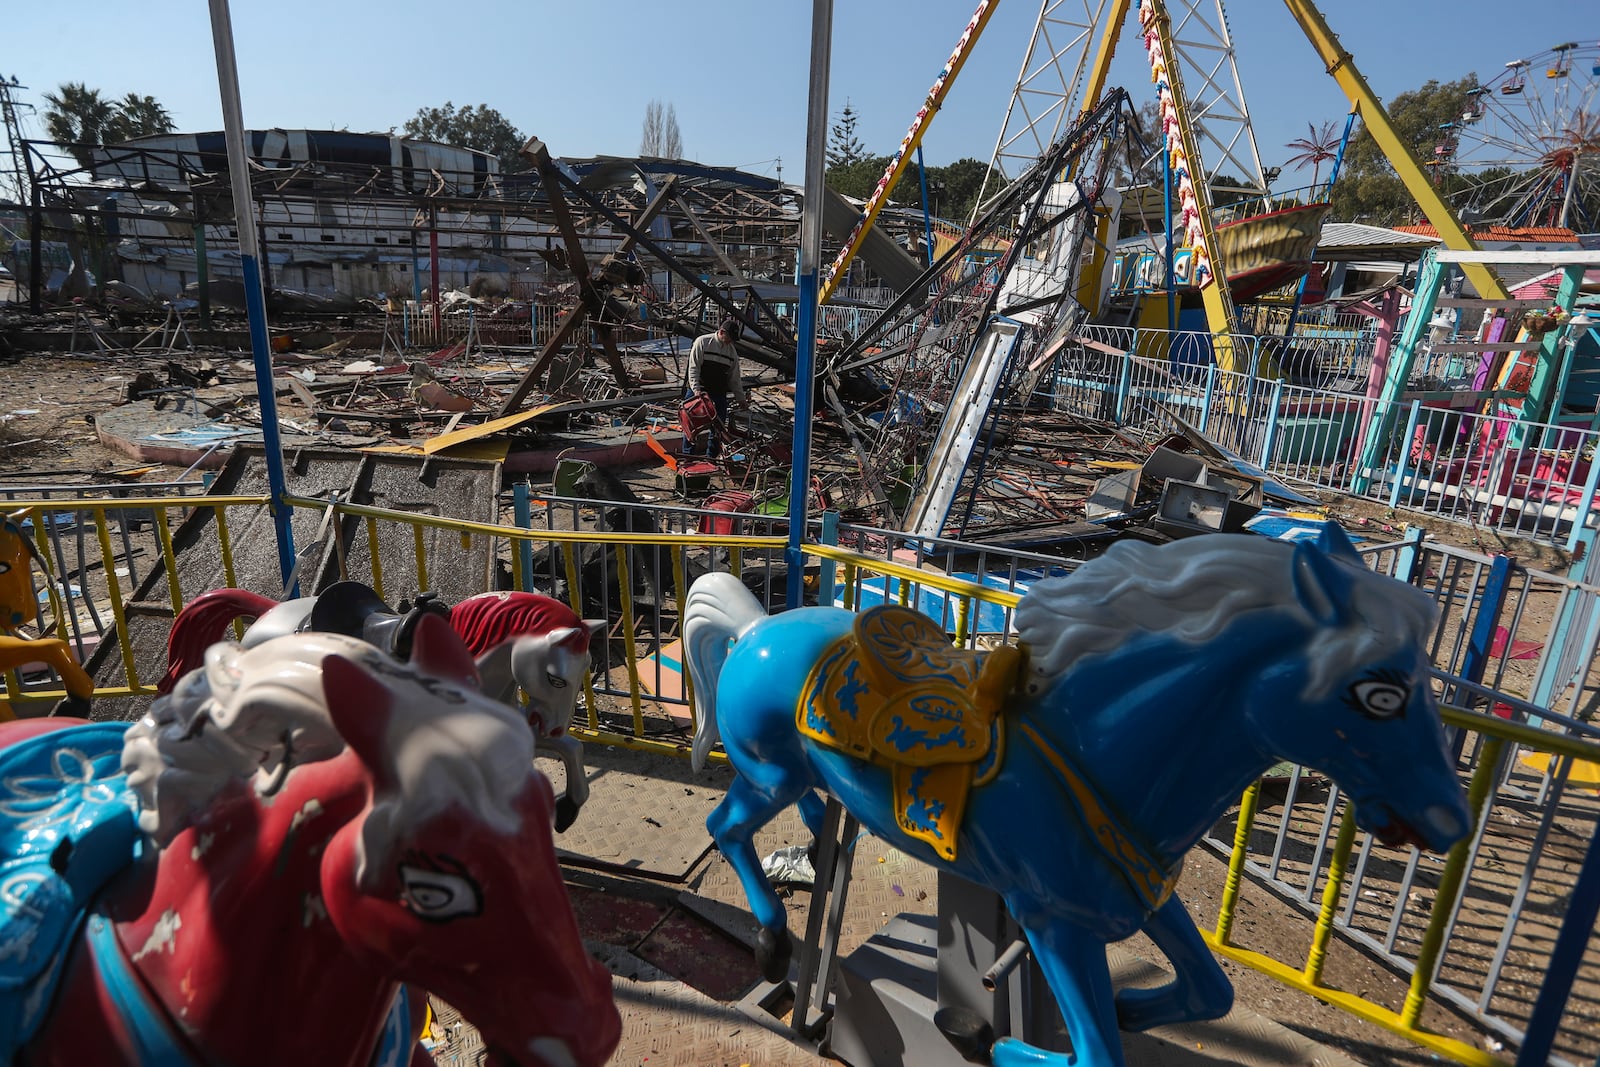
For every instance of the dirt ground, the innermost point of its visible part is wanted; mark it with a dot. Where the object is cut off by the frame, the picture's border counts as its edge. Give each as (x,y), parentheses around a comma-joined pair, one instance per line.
(47,437)
(47,403)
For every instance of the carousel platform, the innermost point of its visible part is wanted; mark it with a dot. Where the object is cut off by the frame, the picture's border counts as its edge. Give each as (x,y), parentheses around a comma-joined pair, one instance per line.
(666,914)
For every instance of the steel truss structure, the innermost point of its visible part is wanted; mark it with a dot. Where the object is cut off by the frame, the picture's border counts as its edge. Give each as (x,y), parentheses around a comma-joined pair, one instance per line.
(1072,44)
(144,209)
(901,375)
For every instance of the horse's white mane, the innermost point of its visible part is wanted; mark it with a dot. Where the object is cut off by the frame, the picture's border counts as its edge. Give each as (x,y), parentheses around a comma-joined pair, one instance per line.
(256,713)
(237,716)
(1194,590)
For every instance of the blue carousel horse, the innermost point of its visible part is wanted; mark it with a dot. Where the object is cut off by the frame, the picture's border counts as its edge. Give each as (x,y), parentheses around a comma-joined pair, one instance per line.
(1070,776)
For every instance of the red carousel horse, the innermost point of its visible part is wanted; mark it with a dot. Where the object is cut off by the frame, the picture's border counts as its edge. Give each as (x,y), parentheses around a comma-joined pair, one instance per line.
(316,824)
(522,641)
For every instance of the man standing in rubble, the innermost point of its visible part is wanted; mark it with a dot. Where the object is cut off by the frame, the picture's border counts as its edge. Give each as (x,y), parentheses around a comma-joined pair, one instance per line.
(714,373)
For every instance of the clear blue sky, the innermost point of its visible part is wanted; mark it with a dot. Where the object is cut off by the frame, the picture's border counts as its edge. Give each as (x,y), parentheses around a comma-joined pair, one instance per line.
(580,73)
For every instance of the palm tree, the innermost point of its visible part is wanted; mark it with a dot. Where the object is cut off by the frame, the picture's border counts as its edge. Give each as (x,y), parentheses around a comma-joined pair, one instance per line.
(137,116)
(78,116)
(1316,149)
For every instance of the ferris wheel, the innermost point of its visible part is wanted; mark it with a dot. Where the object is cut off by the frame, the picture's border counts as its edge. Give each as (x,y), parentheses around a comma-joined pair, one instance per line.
(1525,151)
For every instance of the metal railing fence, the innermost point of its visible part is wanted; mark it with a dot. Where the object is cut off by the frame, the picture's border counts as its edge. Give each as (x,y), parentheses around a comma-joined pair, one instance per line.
(1434,453)
(1410,932)
(91,554)
(503,323)
(1473,931)
(1473,927)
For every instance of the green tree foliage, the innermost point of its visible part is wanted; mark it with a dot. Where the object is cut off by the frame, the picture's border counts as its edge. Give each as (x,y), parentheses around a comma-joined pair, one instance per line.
(479,126)
(1154,137)
(860,176)
(1495,194)
(78,116)
(1368,189)
(139,116)
(952,190)
(844,147)
(1225,190)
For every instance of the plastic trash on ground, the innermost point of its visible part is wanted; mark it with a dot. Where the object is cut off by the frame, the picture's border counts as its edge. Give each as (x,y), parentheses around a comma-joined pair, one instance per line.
(791,865)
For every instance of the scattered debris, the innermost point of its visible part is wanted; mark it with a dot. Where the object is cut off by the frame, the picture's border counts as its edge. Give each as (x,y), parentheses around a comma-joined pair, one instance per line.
(790,866)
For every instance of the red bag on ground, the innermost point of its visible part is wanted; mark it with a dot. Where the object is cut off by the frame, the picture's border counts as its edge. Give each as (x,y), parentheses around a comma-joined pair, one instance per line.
(695,416)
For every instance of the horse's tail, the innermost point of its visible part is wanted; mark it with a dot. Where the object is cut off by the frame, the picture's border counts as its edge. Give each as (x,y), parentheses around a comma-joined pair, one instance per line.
(717,612)
(201,624)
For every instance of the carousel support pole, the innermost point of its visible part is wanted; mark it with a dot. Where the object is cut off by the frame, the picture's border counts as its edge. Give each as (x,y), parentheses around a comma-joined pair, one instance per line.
(810,256)
(1544,1025)
(255,304)
(927,214)
(522,514)
(36,254)
(433,268)
(1166,211)
(263,255)
(1387,312)
(202,272)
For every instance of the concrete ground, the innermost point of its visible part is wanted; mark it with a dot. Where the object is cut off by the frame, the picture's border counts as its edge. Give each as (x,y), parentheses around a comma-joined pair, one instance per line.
(665,913)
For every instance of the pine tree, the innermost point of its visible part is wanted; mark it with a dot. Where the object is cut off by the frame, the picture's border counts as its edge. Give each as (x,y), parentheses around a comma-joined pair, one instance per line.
(843,147)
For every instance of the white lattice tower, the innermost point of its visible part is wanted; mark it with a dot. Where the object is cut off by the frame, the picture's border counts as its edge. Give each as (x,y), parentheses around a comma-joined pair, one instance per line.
(1217,109)
(1053,68)
(1061,52)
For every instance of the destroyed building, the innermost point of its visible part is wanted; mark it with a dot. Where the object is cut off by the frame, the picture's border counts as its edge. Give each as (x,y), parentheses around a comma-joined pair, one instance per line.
(347,217)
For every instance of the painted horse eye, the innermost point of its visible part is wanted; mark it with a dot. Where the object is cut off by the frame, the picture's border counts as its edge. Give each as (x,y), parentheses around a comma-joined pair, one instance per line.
(438,896)
(555,680)
(1380,700)
(5,567)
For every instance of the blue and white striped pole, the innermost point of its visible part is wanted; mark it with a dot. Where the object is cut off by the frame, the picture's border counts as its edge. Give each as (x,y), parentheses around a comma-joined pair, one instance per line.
(805,359)
(250,264)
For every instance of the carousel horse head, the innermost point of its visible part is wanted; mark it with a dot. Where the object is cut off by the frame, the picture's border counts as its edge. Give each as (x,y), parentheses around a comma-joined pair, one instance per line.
(522,641)
(347,607)
(543,646)
(538,645)
(330,823)
(17,604)
(1353,666)
(546,647)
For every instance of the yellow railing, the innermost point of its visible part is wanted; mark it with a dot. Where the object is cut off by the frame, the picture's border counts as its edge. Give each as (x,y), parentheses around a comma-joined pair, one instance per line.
(1496,734)
(570,542)
(848,572)
(53,618)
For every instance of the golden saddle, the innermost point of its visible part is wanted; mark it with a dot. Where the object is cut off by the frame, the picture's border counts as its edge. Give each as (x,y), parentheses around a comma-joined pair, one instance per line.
(896,692)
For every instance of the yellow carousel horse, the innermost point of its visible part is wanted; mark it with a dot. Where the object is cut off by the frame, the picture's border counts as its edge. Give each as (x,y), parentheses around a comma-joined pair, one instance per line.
(18,607)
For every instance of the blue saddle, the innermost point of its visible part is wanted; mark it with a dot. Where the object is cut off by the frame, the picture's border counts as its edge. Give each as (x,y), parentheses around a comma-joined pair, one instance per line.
(67,825)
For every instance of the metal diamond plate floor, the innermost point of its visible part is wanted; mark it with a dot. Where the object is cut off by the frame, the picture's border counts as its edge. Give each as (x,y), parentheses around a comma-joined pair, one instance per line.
(646,813)
(646,818)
